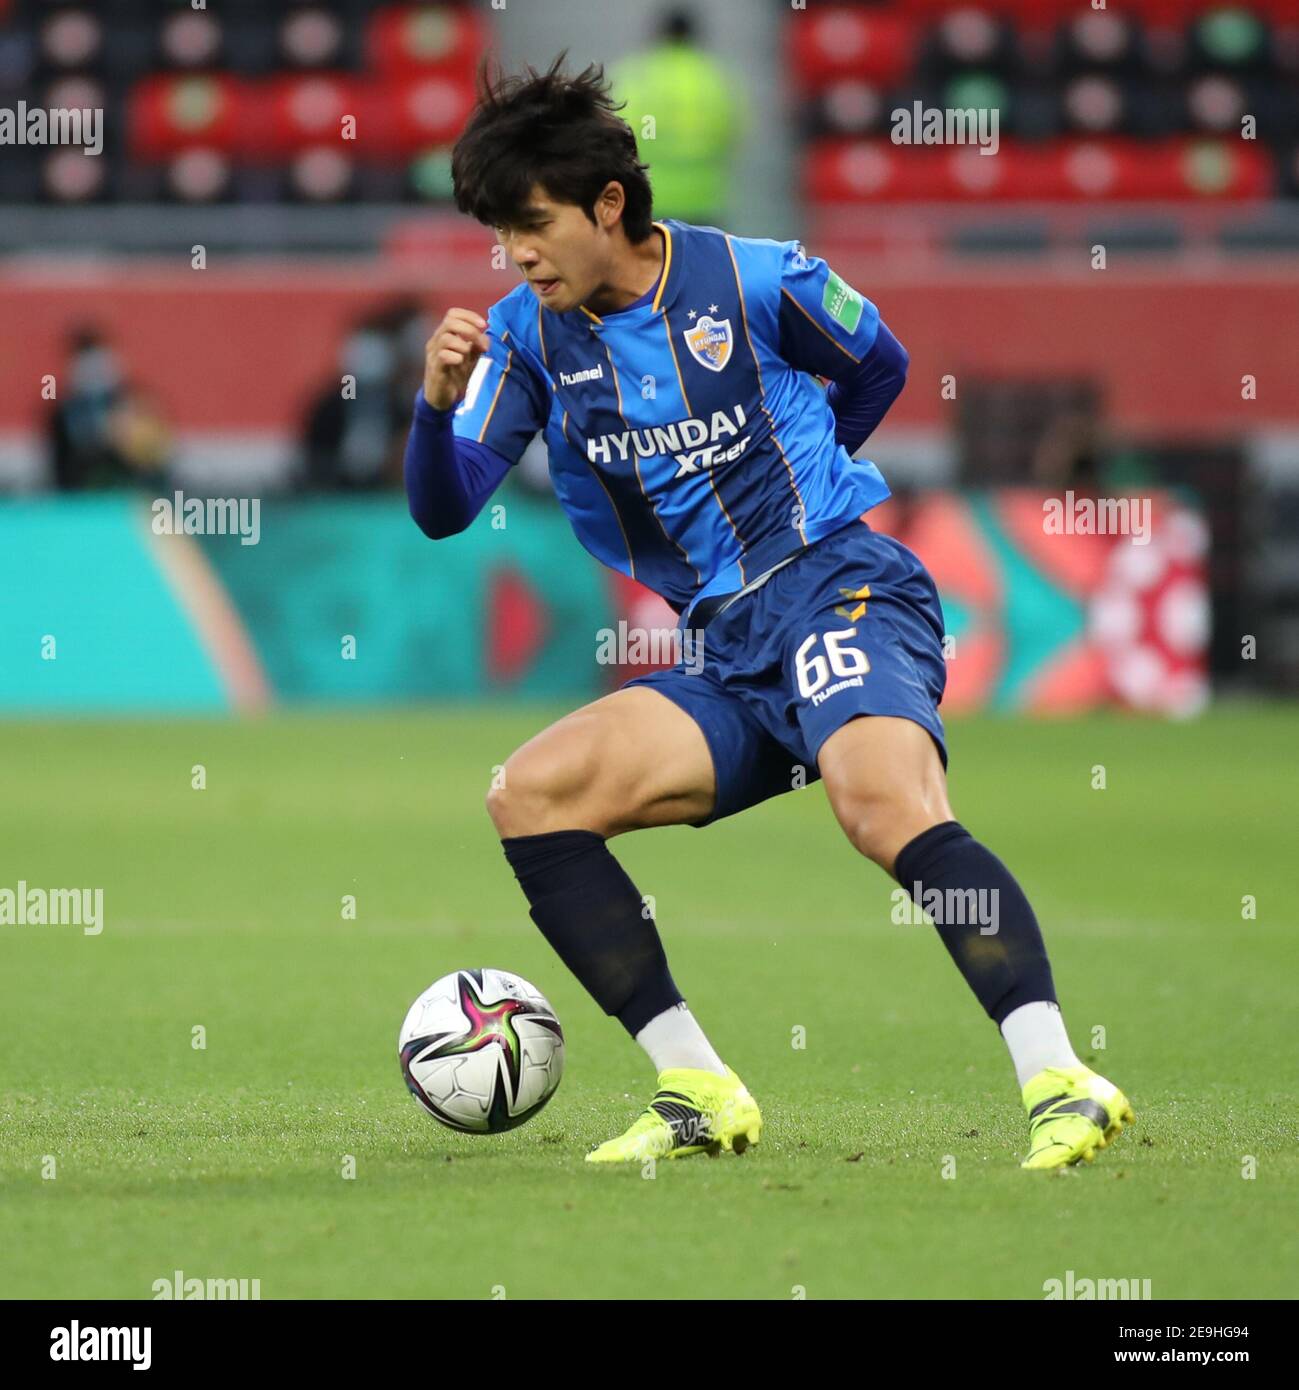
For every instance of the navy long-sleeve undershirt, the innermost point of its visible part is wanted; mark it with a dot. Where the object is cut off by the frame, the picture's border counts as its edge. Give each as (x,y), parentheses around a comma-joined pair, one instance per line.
(861,396)
(447,479)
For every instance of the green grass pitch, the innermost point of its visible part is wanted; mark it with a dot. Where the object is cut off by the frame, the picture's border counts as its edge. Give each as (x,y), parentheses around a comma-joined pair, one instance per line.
(223,911)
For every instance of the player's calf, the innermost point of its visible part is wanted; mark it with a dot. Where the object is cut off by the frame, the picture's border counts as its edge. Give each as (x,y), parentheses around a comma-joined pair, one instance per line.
(633,759)
(887,786)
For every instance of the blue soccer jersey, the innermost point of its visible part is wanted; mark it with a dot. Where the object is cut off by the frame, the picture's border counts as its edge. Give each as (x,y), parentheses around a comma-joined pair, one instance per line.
(690,444)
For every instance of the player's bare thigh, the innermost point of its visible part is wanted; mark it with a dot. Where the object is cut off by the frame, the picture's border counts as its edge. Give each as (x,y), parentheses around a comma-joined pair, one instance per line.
(885,782)
(625,762)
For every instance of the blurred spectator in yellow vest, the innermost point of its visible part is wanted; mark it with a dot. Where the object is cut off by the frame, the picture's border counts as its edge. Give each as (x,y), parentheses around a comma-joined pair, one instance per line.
(688,118)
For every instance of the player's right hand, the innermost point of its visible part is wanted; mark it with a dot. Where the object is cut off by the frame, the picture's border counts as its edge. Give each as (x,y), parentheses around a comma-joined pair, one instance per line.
(451,355)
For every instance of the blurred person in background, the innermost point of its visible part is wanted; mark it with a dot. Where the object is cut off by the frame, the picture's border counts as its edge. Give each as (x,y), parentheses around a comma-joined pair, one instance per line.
(412,328)
(698,119)
(105,432)
(356,428)
(1070,453)
(140,433)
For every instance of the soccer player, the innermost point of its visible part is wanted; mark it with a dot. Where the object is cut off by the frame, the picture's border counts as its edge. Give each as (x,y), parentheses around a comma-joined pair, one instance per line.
(674,370)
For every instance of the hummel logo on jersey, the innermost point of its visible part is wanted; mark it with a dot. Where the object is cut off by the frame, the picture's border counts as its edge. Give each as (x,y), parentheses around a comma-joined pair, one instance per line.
(695,444)
(595,373)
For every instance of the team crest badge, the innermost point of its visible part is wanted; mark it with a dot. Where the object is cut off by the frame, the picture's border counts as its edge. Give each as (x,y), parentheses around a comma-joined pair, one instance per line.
(710,342)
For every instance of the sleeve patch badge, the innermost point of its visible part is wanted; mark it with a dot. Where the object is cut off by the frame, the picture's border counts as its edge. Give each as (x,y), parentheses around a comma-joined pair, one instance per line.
(842,303)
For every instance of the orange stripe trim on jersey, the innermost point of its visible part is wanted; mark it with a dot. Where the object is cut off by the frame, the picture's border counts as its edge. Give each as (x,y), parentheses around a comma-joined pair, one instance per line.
(500,386)
(541,338)
(667,262)
(681,381)
(762,391)
(681,550)
(817,326)
(663,278)
(613,506)
(690,411)
(739,559)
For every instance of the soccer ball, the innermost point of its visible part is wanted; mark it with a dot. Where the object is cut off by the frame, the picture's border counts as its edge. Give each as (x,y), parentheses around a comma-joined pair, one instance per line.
(481,1050)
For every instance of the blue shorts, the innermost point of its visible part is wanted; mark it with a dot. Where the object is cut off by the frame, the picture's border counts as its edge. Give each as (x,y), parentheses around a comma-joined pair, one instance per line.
(852,626)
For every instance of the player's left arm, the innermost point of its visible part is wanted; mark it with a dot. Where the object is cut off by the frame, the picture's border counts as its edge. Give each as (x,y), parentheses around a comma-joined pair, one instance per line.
(829,329)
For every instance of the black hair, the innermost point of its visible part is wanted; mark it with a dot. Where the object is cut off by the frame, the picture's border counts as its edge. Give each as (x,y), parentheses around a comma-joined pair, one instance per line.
(549,128)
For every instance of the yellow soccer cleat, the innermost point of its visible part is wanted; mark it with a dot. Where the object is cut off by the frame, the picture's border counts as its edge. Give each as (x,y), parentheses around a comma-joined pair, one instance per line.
(1072,1112)
(692,1112)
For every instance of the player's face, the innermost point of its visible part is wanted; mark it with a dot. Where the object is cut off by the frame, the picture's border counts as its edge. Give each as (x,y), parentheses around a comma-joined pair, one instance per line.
(559,251)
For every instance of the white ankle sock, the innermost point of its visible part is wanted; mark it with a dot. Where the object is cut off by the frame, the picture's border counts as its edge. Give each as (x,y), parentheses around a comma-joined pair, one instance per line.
(1037,1040)
(674,1039)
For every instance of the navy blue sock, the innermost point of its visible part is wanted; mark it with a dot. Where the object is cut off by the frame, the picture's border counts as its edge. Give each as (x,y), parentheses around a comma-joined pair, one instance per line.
(590,912)
(966,889)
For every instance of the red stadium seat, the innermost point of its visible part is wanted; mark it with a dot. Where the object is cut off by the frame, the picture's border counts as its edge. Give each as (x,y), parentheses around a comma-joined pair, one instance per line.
(273,121)
(849,42)
(868,171)
(1024,13)
(177,112)
(428,109)
(1029,14)
(417,38)
(308,110)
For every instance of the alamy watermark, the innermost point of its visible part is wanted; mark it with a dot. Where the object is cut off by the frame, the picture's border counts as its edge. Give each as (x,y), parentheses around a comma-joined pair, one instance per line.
(77,1343)
(177,1287)
(57,125)
(947,907)
(208,516)
(650,646)
(919,124)
(52,907)
(1071,1287)
(1097,516)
